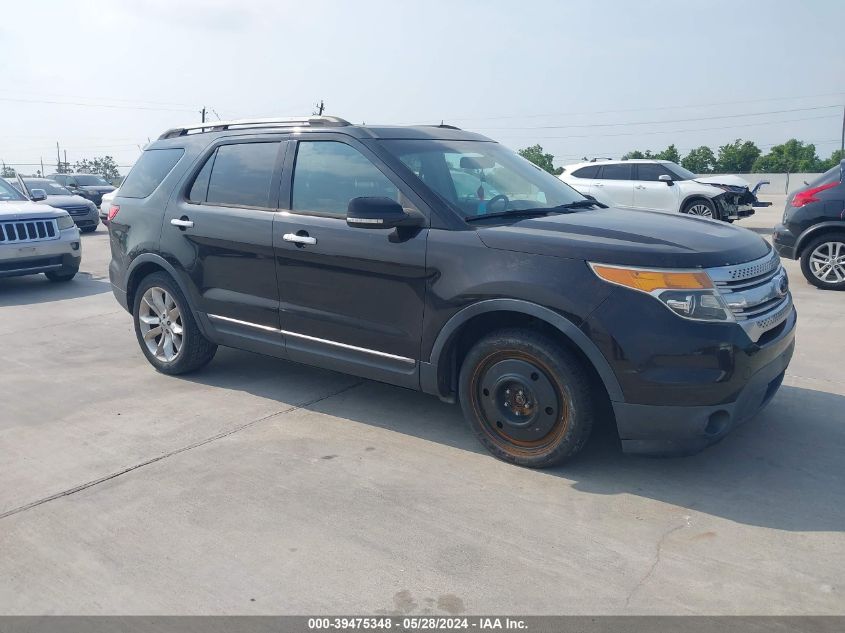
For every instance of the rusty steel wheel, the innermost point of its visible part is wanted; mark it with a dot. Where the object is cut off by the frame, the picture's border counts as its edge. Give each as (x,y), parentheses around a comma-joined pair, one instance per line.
(526,398)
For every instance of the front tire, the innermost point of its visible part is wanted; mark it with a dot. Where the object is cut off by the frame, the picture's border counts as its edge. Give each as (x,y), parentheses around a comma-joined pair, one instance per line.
(823,262)
(702,208)
(526,398)
(165,327)
(61,276)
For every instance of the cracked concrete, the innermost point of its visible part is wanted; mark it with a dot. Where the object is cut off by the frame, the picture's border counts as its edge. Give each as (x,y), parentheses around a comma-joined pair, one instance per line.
(259,486)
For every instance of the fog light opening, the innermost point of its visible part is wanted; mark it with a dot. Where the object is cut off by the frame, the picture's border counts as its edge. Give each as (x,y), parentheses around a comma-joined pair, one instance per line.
(717,423)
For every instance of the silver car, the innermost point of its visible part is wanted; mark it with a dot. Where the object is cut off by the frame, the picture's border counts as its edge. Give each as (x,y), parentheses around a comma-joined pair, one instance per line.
(36,238)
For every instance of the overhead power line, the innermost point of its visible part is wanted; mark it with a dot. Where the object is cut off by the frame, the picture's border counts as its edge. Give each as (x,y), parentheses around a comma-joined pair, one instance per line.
(662,121)
(93,105)
(645,109)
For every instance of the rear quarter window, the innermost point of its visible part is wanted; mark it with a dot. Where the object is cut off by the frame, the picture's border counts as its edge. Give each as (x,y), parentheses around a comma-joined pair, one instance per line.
(586,172)
(149,171)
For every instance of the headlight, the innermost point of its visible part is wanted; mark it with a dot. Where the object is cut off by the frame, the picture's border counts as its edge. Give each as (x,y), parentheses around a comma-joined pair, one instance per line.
(688,293)
(65,222)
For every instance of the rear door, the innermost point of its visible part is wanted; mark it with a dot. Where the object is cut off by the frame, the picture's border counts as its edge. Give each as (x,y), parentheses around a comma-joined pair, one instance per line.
(351,298)
(582,179)
(219,229)
(615,184)
(652,193)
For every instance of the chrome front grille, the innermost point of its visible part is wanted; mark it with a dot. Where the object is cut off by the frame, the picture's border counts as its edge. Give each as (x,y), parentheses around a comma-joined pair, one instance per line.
(757,293)
(18,231)
(78,210)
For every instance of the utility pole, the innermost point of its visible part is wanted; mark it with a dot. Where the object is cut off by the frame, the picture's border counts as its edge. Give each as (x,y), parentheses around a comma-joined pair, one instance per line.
(66,165)
(320,107)
(42,166)
(58,159)
(842,144)
(202,112)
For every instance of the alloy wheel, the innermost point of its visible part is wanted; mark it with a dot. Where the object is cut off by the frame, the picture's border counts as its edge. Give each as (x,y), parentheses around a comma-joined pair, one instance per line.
(827,262)
(161,324)
(701,210)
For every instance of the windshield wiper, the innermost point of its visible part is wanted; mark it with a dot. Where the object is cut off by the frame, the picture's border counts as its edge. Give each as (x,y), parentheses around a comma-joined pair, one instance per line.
(538,211)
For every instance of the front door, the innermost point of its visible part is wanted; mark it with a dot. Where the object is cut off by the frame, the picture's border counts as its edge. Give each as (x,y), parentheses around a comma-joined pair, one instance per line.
(652,193)
(351,298)
(220,230)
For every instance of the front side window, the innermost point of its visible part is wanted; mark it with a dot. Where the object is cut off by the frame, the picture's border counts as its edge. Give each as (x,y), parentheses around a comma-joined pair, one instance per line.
(328,174)
(241,174)
(476,178)
(152,167)
(8,192)
(616,172)
(651,171)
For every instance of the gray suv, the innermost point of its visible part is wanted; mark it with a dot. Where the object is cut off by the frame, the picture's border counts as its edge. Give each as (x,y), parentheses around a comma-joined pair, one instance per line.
(36,238)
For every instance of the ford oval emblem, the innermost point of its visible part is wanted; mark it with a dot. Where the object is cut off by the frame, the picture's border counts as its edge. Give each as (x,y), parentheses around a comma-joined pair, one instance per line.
(782,285)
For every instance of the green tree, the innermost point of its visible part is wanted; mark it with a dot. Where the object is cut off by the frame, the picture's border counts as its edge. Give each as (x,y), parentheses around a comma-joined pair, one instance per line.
(670,154)
(833,161)
(793,156)
(737,157)
(103,166)
(7,171)
(637,154)
(544,161)
(700,160)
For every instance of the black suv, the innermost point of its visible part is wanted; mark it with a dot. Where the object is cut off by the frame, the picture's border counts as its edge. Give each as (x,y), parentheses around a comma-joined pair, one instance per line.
(438,260)
(89,186)
(813,229)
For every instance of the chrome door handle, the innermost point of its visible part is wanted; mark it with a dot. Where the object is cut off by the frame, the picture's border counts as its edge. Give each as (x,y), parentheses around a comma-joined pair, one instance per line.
(598,184)
(182,224)
(299,239)
(639,187)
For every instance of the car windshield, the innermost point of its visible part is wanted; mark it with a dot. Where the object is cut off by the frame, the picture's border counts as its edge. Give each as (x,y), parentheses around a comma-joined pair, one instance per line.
(8,192)
(87,180)
(50,188)
(477,178)
(680,172)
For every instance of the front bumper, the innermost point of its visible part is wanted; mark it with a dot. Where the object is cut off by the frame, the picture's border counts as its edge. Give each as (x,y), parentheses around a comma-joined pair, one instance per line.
(30,258)
(677,430)
(86,220)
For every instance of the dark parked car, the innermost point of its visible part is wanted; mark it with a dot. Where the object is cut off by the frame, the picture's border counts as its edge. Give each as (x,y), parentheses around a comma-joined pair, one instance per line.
(813,229)
(89,186)
(355,249)
(84,212)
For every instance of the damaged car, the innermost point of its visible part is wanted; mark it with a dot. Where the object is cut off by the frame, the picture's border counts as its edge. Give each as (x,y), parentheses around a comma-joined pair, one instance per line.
(661,185)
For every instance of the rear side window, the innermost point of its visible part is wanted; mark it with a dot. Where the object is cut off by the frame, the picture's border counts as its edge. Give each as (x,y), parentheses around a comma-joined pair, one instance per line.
(149,171)
(616,172)
(586,172)
(241,175)
(200,187)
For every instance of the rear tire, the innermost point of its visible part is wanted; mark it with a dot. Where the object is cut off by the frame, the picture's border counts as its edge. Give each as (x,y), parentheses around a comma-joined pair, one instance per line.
(526,398)
(165,327)
(823,261)
(702,208)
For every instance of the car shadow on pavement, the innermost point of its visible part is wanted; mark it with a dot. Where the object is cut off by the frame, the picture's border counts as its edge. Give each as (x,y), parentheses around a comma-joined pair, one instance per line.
(782,470)
(17,291)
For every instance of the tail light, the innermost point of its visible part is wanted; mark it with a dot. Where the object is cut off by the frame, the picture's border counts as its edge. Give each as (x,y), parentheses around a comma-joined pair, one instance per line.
(113,210)
(806,197)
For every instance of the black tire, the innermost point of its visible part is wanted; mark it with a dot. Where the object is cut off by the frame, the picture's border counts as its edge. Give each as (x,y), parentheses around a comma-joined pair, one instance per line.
(556,398)
(89,229)
(808,266)
(195,351)
(61,275)
(691,208)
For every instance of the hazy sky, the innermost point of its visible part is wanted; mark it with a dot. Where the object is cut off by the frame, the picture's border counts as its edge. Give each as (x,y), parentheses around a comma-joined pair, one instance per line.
(572,76)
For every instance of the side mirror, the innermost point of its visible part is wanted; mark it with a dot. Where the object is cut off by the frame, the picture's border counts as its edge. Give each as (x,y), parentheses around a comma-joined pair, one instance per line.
(37,195)
(379,213)
(666,178)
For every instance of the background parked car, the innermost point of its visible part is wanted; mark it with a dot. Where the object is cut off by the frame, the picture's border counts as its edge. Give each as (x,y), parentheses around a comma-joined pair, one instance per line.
(661,185)
(88,186)
(105,204)
(83,212)
(813,229)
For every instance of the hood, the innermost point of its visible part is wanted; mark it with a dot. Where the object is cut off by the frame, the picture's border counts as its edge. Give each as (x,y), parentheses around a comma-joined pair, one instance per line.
(97,188)
(724,179)
(63,202)
(24,209)
(628,237)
